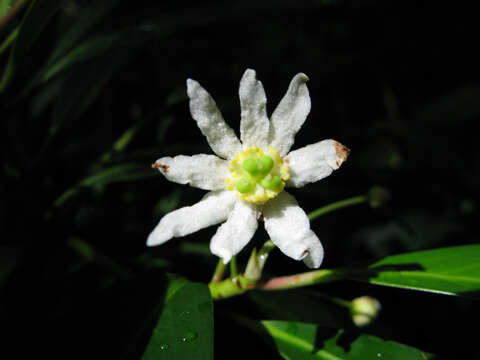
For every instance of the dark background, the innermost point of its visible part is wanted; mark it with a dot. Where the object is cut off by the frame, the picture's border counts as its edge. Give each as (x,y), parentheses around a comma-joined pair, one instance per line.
(395,81)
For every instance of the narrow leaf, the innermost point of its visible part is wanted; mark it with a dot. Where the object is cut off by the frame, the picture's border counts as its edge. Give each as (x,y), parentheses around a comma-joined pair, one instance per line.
(117,173)
(452,270)
(34,21)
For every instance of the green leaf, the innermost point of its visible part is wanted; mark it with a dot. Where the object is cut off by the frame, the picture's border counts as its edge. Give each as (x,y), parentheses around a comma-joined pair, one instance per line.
(91,16)
(302,341)
(123,172)
(453,271)
(185,327)
(34,21)
(83,85)
(117,173)
(4,6)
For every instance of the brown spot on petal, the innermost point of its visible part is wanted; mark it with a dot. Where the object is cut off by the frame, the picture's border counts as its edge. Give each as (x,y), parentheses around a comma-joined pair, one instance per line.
(342,153)
(164,167)
(305,253)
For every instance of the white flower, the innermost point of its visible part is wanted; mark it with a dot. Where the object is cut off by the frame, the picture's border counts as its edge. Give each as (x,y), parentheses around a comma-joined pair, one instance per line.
(246,179)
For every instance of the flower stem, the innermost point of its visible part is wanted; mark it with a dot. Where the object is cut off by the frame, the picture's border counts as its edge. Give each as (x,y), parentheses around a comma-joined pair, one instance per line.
(10,15)
(9,40)
(239,284)
(300,280)
(338,205)
(219,270)
(233,267)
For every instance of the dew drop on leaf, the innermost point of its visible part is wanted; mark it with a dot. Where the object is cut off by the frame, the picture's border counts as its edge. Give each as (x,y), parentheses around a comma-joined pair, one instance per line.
(164,347)
(185,313)
(189,336)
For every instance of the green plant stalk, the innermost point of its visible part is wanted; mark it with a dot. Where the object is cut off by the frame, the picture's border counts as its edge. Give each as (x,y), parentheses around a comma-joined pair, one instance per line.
(230,287)
(12,13)
(219,270)
(9,40)
(240,284)
(301,280)
(233,267)
(338,205)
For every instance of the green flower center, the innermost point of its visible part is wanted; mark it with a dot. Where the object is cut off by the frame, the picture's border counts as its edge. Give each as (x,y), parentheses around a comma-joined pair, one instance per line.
(257,176)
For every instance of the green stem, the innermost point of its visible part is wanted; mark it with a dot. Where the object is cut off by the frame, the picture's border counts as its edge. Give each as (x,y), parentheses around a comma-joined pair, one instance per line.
(10,15)
(300,280)
(219,270)
(338,205)
(239,284)
(233,267)
(230,287)
(9,40)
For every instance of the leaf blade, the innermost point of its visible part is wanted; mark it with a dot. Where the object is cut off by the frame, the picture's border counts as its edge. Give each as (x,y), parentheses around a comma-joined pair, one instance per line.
(185,326)
(37,17)
(451,271)
(295,340)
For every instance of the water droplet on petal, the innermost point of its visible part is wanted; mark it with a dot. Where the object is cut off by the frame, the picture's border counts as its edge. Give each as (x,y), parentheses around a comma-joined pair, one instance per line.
(189,336)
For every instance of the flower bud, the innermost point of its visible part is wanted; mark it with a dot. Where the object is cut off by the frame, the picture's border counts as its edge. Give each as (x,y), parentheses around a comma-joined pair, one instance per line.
(377,196)
(364,310)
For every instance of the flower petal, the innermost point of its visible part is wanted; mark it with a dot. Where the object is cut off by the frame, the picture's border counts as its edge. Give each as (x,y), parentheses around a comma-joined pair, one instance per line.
(314,162)
(254,122)
(212,209)
(234,234)
(290,115)
(289,228)
(220,136)
(206,172)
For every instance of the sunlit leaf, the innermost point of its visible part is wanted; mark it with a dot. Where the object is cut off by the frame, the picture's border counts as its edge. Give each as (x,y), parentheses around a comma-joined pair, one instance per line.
(185,327)
(302,341)
(453,271)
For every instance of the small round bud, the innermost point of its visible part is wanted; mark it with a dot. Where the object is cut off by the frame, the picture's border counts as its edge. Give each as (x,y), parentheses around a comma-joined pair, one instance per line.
(265,164)
(250,165)
(244,186)
(377,196)
(364,310)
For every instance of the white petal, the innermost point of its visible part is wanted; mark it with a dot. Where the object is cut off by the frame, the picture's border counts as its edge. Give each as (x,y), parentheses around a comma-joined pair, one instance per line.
(290,115)
(314,162)
(212,209)
(220,136)
(206,172)
(253,103)
(289,228)
(233,235)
